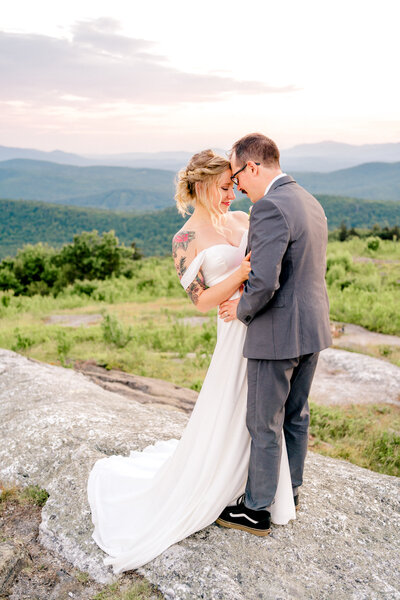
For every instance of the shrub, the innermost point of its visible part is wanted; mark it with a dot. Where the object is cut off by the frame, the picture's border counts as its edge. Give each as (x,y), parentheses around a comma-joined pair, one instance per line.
(84,288)
(373,243)
(5,300)
(91,256)
(114,333)
(35,495)
(340,258)
(64,345)
(22,342)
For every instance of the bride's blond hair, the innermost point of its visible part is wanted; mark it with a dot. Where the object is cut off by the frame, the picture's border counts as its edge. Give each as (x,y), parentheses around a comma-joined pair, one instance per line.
(194,184)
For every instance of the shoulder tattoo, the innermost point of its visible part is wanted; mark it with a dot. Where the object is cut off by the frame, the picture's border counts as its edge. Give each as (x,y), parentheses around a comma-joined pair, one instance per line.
(181,241)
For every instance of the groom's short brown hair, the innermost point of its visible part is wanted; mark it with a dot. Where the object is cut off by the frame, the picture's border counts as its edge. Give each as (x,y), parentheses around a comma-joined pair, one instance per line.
(257,147)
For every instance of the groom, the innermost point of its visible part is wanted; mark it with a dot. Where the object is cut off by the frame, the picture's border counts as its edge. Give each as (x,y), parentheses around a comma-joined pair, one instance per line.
(285,307)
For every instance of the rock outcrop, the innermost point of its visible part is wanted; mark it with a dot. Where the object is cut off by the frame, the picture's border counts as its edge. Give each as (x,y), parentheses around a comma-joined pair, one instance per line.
(146,390)
(341,378)
(347,377)
(55,423)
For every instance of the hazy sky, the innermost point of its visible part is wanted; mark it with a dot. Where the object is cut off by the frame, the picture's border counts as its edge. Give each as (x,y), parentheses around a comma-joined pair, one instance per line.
(97,76)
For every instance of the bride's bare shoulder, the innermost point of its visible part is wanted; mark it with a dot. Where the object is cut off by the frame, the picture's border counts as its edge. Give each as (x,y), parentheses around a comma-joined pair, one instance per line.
(192,238)
(239,216)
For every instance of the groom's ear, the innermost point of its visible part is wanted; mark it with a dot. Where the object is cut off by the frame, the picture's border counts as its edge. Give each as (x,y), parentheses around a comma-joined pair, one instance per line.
(253,167)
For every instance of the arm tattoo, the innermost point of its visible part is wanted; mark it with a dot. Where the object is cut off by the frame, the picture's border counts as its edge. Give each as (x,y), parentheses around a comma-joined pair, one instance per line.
(181,241)
(181,268)
(196,287)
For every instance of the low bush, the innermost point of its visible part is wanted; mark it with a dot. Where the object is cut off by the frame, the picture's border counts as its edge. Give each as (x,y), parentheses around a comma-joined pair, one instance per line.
(40,269)
(114,333)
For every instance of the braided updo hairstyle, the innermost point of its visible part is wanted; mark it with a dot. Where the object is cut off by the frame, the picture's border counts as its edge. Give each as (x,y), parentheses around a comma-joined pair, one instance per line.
(195,182)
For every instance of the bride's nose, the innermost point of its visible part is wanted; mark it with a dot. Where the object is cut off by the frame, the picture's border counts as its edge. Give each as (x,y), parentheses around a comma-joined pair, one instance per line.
(231,195)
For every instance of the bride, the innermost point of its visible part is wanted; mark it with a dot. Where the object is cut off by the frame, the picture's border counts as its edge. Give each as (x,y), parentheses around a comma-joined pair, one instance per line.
(143,503)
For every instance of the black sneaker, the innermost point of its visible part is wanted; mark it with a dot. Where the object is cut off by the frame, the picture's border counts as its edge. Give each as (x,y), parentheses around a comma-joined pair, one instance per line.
(296,502)
(257,522)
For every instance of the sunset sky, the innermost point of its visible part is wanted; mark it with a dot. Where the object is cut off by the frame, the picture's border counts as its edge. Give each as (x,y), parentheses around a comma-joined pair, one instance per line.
(105,77)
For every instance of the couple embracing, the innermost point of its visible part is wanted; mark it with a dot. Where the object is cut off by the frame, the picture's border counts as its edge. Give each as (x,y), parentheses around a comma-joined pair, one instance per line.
(240,459)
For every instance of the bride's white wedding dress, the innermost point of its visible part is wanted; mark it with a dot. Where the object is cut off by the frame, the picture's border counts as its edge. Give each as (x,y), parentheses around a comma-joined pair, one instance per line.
(143,503)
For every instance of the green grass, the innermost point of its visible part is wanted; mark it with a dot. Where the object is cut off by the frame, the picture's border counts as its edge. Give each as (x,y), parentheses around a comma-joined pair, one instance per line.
(364,285)
(366,435)
(32,494)
(35,495)
(387,249)
(138,590)
(146,338)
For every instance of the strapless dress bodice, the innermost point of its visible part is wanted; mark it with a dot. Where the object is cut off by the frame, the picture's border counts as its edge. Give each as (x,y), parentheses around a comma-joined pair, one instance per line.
(217,262)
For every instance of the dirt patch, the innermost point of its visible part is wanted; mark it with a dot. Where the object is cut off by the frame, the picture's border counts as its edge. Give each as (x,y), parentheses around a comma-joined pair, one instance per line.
(194,321)
(45,575)
(376,261)
(73,320)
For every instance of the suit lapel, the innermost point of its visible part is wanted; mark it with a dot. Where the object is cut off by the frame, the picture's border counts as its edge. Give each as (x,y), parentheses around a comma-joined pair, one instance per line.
(281,181)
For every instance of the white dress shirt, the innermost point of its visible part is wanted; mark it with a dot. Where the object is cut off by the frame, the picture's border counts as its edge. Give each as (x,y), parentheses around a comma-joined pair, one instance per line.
(273,181)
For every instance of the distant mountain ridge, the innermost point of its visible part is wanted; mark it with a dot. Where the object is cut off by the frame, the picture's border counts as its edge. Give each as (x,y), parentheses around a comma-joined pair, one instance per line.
(332,156)
(321,157)
(373,181)
(115,188)
(56,156)
(128,189)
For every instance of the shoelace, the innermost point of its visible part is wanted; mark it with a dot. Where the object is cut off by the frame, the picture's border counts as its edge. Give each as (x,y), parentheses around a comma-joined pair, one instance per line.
(240,499)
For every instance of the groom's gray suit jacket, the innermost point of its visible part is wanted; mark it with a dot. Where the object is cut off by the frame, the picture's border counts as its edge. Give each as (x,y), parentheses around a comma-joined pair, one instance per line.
(285,301)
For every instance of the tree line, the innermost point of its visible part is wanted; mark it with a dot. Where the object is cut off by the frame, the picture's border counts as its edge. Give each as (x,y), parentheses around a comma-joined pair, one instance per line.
(344,232)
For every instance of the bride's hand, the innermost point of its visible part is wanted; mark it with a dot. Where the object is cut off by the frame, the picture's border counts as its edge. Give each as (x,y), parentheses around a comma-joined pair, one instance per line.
(245,267)
(227,310)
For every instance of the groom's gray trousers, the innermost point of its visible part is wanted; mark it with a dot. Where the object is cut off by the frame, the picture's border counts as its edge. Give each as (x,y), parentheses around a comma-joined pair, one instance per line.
(277,403)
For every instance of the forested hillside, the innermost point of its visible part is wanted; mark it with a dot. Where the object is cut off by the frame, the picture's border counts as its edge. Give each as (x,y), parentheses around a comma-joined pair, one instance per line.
(24,222)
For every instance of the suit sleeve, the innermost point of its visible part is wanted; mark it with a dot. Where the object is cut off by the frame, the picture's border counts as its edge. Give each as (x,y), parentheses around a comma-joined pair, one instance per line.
(269,239)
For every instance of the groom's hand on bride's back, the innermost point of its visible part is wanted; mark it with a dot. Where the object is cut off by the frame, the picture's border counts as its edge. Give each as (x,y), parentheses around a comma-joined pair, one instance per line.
(227,310)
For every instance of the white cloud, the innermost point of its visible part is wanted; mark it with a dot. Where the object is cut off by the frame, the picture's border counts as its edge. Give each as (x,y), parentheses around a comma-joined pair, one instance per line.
(101,64)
